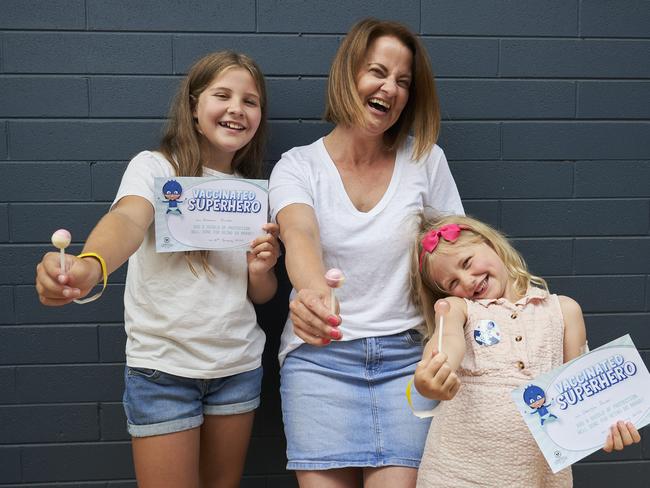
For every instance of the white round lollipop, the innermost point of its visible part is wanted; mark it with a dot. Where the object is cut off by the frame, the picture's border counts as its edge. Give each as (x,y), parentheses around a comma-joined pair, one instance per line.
(61,239)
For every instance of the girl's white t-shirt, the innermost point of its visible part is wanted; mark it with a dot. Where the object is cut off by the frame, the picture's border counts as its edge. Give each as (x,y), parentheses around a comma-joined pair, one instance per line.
(373,249)
(201,327)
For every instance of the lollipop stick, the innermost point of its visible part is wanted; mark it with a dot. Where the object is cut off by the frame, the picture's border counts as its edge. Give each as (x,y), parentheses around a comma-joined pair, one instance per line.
(62,260)
(332,301)
(441,308)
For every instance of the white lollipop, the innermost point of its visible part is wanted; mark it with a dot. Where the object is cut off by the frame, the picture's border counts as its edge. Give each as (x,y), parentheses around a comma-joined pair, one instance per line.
(442,308)
(334,279)
(61,239)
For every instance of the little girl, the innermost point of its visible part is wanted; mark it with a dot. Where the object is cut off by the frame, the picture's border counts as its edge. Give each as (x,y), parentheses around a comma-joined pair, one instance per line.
(479,438)
(193,350)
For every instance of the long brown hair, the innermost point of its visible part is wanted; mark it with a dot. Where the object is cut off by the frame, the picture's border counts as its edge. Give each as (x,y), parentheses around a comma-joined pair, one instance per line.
(422,111)
(181,141)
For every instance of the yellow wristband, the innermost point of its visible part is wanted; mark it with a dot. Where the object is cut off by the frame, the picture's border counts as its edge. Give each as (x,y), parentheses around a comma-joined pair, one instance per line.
(423,414)
(102,263)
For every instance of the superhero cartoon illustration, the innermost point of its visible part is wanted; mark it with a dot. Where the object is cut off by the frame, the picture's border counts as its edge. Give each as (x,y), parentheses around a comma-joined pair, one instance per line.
(535,398)
(172,191)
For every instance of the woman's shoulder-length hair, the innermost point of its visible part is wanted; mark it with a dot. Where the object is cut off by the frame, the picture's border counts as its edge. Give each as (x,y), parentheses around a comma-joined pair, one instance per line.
(420,116)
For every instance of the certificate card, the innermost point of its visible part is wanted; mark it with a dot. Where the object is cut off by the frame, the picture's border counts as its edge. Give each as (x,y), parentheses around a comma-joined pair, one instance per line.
(569,410)
(209,213)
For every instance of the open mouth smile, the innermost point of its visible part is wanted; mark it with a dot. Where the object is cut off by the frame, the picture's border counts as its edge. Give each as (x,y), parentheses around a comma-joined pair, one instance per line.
(232,125)
(480,289)
(379,104)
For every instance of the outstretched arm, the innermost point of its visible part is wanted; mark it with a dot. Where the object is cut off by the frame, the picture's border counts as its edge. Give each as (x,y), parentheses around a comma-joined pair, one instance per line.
(115,237)
(310,312)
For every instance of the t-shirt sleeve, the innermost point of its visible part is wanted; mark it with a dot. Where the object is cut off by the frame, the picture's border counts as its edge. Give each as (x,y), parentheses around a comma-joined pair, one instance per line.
(138,179)
(443,197)
(289,184)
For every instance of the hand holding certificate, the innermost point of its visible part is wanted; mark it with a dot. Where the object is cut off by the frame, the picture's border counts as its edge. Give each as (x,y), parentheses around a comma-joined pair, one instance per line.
(571,409)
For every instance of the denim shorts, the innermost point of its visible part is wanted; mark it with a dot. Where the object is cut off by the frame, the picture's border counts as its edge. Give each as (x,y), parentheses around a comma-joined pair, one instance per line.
(160,403)
(344,405)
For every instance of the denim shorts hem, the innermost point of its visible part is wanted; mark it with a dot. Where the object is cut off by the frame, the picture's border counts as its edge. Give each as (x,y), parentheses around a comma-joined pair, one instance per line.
(319,466)
(232,409)
(162,428)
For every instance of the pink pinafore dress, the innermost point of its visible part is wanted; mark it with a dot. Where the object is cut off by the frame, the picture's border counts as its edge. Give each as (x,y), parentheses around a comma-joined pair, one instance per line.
(478,439)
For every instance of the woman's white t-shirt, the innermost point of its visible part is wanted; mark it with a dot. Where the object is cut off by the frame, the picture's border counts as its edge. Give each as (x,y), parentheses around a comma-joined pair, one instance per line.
(373,249)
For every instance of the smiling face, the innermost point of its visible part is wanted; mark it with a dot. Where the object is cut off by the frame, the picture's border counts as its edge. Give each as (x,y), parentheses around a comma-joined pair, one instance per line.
(383,83)
(227,115)
(472,271)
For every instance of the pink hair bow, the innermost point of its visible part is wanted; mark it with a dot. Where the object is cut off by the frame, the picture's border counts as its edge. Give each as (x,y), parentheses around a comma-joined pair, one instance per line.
(449,233)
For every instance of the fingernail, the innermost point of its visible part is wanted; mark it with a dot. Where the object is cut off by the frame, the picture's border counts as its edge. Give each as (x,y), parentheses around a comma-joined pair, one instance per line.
(60,278)
(335,334)
(333,320)
(325,341)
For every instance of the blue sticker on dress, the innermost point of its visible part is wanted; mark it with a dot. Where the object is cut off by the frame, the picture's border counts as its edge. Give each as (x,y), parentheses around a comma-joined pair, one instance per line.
(487,333)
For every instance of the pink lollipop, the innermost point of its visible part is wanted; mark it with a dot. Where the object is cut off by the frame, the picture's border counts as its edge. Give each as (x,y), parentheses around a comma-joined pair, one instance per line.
(61,239)
(442,308)
(334,279)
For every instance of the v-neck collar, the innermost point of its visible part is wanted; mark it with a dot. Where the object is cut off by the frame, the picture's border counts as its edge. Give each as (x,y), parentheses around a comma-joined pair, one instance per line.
(386,197)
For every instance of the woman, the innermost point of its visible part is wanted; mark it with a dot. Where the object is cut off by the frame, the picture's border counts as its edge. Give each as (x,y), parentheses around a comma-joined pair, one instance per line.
(345,202)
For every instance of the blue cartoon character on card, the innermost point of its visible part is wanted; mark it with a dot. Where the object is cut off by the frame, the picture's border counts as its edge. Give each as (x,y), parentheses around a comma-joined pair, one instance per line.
(172,191)
(535,398)
(487,333)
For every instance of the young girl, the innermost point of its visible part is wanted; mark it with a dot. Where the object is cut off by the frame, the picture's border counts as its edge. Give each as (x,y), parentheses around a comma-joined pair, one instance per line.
(193,349)
(502,330)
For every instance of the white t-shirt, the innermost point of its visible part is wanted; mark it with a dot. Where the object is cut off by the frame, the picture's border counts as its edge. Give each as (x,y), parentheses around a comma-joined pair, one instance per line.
(201,327)
(371,248)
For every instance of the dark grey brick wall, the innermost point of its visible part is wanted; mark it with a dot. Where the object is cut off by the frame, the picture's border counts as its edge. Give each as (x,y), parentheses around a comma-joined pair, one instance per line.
(546,109)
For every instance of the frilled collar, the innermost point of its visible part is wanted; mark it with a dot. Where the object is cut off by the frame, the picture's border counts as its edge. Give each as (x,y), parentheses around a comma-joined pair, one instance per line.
(533,293)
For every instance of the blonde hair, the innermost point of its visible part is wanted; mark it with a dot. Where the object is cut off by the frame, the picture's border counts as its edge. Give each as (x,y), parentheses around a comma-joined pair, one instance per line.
(344,106)
(181,141)
(424,292)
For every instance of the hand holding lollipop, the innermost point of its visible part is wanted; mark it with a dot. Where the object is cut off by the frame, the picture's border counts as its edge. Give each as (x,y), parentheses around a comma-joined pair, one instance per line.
(334,279)
(441,308)
(61,239)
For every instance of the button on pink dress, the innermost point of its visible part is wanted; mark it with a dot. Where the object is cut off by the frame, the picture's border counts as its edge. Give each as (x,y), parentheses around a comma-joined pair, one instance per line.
(479,439)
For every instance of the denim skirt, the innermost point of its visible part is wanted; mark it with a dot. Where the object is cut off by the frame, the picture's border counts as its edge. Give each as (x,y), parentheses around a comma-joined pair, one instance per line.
(344,404)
